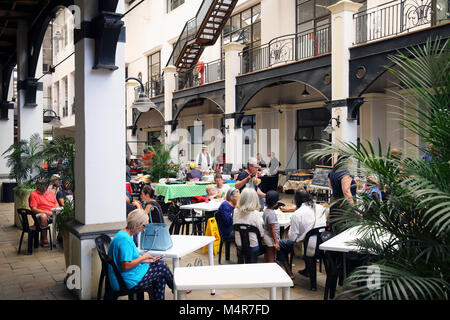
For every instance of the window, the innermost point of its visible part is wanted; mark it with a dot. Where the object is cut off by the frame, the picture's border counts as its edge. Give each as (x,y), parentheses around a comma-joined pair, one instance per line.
(244,27)
(66,98)
(196,133)
(173,4)
(154,73)
(153,137)
(311,123)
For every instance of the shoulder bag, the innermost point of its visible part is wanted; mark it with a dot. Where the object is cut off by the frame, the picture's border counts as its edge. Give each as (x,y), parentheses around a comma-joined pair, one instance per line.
(156,236)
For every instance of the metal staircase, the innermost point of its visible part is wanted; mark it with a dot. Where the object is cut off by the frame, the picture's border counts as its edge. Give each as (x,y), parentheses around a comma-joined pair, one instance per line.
(200,31)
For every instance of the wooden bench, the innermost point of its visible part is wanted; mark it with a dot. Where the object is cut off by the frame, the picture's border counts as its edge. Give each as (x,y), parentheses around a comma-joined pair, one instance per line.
(255,275)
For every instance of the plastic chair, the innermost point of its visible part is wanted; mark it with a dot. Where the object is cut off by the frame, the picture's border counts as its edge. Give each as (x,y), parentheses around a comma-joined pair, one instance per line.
(244,252)
(33,231)
(101,241)
(311,261)
(227,242)
(333,268)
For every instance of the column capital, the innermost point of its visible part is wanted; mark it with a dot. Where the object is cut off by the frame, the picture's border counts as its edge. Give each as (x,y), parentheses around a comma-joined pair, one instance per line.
(344,5)
(170,69)
(233,46)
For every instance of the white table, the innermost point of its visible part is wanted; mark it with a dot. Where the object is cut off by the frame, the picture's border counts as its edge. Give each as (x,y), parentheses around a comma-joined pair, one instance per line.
(252,275)
(183,245)
(212,205)
(54,215)
(342,243)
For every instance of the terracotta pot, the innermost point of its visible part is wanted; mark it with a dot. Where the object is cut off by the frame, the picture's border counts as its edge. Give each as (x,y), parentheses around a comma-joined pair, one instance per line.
(21,202)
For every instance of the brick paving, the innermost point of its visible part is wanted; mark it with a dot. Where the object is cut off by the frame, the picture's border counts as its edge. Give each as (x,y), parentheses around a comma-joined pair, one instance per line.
(40,276)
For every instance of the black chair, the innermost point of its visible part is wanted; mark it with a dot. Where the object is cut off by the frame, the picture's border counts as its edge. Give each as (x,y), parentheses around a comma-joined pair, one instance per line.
(227,242)
(269,183)
(311,261)
(33,231)
(333,267)
(101,242)
(243,253)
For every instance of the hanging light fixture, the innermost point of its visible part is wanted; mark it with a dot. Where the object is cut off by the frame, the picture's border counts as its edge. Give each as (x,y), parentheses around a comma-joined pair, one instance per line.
(329,128)
(305,93)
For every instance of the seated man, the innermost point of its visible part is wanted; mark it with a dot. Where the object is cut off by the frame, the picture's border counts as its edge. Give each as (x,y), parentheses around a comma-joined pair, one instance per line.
(194,174)
(41,201)
(65,193)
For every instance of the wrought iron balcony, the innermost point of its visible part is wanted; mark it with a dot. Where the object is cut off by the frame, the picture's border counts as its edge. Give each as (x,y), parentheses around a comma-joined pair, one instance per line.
(288,48)
(202,73)
(397,17)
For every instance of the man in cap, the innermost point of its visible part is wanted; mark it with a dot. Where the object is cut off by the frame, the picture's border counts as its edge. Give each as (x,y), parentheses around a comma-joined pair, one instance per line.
(204,160)
(248,179)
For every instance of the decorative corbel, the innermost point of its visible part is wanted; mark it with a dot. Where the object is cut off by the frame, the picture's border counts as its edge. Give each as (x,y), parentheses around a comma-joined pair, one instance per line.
(5,106)
(353,105)
(106,29)
(31,86)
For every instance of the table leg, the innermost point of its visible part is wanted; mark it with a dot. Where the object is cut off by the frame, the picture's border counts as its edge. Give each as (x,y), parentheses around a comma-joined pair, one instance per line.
(286,293)
(344,263)
(273,293)
(211,260)
(176,264)
(54,229)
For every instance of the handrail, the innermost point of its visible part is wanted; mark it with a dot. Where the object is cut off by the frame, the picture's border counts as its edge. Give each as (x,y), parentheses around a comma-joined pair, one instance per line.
(287,48)
(201,74)
(392,18)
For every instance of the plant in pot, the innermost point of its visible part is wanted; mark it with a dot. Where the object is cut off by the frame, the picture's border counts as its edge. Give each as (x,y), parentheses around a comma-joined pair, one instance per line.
(66,215)
(161,162)
(23,159)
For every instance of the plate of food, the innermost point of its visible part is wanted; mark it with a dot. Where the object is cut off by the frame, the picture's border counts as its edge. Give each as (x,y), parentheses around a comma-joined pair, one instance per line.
(288,208)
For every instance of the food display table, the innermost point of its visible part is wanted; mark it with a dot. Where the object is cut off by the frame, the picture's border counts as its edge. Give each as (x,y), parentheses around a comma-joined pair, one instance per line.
(174,191)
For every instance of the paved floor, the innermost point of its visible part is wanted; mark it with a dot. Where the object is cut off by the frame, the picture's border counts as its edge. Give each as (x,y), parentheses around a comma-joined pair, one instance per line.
(41,275)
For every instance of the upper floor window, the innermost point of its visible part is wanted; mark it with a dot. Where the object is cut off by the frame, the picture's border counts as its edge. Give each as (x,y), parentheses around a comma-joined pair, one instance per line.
(154,73)
(173,4)
(244,27)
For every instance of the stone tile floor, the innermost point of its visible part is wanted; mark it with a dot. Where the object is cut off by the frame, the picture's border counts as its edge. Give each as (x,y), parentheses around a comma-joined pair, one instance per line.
(40,276)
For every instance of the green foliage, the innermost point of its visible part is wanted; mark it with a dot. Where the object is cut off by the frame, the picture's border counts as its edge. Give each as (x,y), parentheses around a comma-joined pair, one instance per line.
(161,167)
(66,215)
(414,263)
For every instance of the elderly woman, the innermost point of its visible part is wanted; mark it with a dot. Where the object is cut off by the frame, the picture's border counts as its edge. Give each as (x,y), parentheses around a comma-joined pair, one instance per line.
(137,271)
(247,212)
(224,215)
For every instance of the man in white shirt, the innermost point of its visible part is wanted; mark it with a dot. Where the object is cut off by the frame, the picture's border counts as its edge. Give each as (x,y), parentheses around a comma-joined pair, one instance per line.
(308,216)
(204,160)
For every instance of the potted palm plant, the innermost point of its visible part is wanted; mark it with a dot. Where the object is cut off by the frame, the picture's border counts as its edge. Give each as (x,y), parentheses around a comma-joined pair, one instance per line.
(23,159)
(414,264)
(161,162)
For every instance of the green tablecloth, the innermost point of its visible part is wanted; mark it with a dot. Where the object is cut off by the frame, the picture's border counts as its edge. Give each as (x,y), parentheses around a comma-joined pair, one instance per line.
(181,190)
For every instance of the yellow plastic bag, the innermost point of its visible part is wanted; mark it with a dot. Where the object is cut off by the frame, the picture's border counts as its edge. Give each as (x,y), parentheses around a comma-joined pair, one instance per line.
(212,230)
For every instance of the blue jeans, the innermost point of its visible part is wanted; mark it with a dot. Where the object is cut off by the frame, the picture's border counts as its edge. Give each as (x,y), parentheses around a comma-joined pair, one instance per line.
(249,258)
(286,247)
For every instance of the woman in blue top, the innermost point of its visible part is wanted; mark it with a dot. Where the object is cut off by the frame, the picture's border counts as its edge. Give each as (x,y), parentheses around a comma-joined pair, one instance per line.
(137,271)
(224,215)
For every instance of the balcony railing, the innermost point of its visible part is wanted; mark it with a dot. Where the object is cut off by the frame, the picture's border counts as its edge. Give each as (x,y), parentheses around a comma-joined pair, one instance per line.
(156,86)
(293,47)
(393,18)
(203,73)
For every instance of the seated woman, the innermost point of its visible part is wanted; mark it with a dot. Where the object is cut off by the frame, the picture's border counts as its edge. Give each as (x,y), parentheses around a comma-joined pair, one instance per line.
(137,271)
(150,204)
(247,212)
(307,217)
(224,215)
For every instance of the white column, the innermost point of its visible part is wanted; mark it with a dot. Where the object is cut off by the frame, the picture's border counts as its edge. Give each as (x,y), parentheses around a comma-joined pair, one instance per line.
(342,32)
(6,134)
(100,152)
(169,88)
(233,151)
(30,119)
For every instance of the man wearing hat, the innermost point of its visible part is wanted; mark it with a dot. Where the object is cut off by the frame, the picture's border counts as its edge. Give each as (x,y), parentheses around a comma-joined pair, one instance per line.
(204,160)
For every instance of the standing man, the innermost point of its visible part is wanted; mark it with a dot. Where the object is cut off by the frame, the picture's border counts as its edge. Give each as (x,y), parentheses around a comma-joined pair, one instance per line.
(274,164)
(204,160)
(248,179)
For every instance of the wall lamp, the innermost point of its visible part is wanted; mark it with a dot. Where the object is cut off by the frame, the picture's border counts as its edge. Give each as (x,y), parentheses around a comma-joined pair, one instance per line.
(329,128)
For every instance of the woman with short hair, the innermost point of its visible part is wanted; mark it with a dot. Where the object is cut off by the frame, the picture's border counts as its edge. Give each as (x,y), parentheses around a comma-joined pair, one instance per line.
(137,271)
(224,215)
(247,212)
